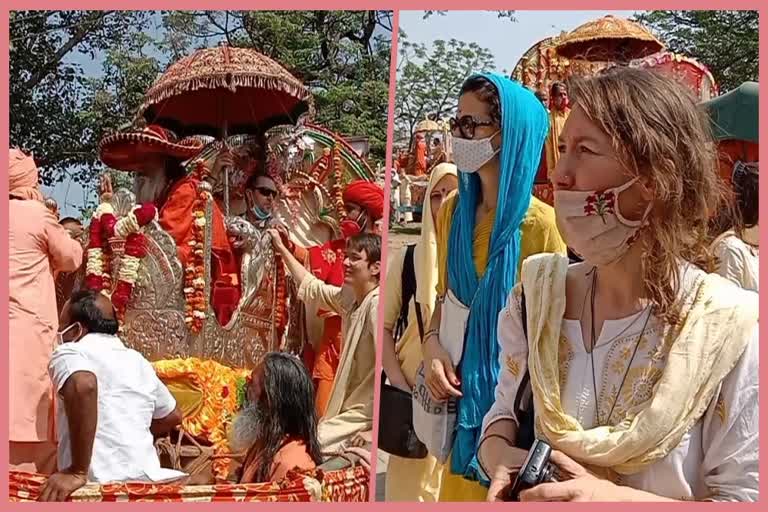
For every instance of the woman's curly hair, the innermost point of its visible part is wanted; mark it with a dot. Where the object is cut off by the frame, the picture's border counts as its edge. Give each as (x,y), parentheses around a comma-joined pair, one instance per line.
(659,133)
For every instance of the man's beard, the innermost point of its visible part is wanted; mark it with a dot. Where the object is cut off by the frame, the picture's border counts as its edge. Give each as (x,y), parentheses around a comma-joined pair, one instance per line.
(247,427)
(149,189)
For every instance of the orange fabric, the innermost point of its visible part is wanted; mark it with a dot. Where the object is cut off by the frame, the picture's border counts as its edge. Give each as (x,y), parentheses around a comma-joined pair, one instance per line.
(349,484)
(291,456)
(731,151)
(23,176)
(33,457)
(421,158)
(326,363)
(37,247)
(176,217)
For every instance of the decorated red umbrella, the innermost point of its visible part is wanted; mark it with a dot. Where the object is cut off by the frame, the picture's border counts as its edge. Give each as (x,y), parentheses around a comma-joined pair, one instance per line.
(608,39)
(224,88)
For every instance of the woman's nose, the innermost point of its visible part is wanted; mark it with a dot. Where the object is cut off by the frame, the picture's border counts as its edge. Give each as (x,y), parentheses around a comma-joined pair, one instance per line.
(561,178)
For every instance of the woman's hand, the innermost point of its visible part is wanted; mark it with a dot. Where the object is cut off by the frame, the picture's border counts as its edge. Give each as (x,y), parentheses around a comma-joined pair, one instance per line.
(502,477)
(440,375)
(577,484)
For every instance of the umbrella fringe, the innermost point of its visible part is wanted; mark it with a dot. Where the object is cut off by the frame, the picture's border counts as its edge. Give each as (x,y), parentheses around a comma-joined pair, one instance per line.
(159,94)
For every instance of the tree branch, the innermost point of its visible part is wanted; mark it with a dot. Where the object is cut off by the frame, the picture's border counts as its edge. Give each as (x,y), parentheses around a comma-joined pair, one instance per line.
(76,39)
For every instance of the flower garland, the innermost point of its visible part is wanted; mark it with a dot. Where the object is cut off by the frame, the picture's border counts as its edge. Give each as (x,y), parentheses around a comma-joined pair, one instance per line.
(223,391)
(338,193)
(196,303)
(97,271)
(105,226)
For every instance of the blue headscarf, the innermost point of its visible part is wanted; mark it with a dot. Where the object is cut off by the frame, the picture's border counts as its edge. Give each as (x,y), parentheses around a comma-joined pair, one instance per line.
(524,127)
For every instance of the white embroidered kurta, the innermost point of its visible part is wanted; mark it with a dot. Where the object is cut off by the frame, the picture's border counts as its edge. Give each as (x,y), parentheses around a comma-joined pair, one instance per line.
(738,261)
(718,457)
(350,408)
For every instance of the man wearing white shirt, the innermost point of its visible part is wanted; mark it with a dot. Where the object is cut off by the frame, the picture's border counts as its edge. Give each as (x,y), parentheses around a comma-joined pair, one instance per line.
(110,403)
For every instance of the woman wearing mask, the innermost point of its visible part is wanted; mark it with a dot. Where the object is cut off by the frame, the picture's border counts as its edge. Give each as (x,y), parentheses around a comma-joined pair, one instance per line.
(643,367)
(414,479)
(482,235)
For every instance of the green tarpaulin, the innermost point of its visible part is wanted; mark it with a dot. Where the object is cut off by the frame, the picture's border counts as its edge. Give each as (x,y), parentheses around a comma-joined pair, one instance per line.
(734,115)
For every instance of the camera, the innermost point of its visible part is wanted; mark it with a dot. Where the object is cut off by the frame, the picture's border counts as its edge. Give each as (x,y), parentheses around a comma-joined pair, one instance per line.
(536,469)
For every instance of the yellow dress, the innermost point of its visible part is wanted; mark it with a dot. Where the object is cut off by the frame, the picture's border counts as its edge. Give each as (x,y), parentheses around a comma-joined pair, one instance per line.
(408,479)
(538,234)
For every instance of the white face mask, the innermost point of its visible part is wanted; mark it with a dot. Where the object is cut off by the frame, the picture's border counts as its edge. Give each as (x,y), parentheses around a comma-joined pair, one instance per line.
(469,155)
(60,334)
(592,224)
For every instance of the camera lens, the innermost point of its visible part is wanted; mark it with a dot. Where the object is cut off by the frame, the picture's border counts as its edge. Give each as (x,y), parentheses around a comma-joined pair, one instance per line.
(547,473)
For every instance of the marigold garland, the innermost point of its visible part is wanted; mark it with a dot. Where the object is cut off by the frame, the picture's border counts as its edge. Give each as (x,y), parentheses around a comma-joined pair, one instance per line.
(338,193)
(196,303)
(223,392)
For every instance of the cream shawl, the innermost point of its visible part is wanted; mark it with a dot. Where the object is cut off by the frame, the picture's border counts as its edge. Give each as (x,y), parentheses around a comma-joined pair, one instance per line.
(717,320)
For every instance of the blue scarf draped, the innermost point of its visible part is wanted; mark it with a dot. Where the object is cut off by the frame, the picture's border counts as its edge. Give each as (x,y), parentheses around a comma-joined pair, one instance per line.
(524,127)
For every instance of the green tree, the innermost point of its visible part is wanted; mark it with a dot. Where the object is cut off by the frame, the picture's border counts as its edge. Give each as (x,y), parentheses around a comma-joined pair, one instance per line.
(52,100)
(60,110)
(725,41)
(429,79)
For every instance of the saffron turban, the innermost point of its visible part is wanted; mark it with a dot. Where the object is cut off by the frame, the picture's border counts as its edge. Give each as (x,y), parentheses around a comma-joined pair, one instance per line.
(368,195)
(22,176)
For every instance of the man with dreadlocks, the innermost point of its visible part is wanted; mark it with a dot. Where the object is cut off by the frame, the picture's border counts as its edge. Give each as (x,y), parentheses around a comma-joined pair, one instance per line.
(278,425)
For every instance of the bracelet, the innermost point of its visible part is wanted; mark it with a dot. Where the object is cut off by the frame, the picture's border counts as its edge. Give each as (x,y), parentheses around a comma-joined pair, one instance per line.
(430,333)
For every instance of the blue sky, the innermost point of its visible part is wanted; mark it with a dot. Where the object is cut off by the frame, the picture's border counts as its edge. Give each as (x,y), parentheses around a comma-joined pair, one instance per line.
(506,40)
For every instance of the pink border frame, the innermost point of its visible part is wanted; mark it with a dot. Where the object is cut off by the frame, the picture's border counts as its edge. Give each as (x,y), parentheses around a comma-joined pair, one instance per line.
(352,5)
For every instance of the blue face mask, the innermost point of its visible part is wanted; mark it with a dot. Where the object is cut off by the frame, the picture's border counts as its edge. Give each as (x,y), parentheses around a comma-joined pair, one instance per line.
(260,214)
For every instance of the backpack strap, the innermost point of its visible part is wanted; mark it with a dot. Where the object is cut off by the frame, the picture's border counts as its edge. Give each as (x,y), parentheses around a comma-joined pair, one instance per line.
(525,381)
(408,291)
(523,405)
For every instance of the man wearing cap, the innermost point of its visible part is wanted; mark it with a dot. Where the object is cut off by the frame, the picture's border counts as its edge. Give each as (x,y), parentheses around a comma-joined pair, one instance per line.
(37,247)
(156,154)
(364,205)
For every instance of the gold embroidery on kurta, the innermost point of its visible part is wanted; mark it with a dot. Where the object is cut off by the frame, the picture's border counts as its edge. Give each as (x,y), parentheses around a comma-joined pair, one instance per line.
(513,366)
(720,409)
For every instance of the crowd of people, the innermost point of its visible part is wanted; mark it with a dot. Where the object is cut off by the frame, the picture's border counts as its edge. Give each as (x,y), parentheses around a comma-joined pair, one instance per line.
(600,325)
(87,408)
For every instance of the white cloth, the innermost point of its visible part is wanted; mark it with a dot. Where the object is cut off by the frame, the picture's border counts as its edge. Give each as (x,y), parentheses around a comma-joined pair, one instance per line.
(738,261)
(130,396)
(717,459)
(405,196)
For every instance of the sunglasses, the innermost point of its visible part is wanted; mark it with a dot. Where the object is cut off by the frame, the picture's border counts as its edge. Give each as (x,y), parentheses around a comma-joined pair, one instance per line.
(466,125)
(268,192)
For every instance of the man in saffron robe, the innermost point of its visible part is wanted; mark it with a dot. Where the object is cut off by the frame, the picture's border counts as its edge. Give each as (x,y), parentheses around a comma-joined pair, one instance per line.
(420,150)
(156,155)
(38,247)
(364,204)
